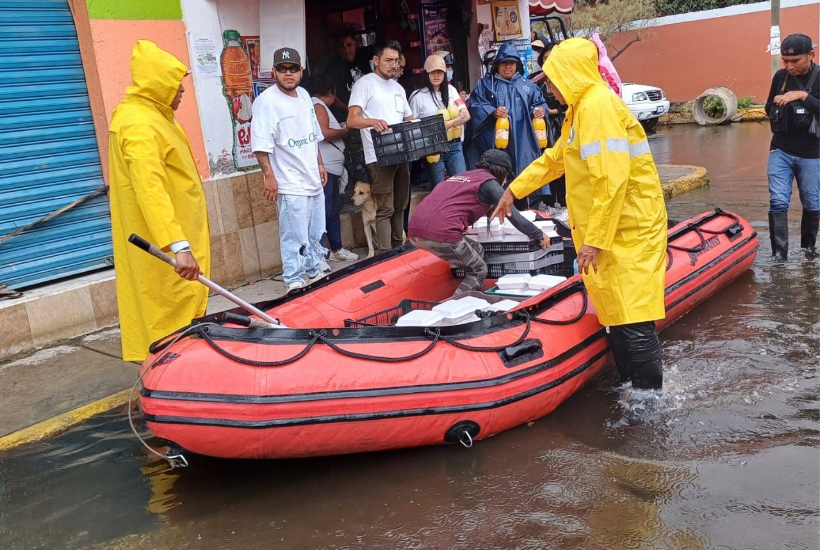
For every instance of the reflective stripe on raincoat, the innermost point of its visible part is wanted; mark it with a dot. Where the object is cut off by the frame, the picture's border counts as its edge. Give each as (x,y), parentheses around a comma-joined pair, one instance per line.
(156,192)
(614,195)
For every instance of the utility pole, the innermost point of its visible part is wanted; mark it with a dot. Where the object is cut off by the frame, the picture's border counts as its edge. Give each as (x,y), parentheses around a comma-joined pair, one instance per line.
(774,36)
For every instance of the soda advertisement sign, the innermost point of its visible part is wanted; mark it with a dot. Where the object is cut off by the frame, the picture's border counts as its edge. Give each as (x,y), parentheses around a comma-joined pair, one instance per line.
(237,86)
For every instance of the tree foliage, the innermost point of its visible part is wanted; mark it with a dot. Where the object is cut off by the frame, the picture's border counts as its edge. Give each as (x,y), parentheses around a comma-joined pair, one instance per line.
(674,7)
(609,18)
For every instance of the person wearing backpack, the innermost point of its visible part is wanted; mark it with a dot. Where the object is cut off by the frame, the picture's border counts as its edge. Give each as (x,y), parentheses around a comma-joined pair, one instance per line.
(793,108)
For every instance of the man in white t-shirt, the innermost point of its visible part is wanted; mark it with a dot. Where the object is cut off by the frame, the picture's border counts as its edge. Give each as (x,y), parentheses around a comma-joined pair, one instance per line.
(377,101)
(285,138)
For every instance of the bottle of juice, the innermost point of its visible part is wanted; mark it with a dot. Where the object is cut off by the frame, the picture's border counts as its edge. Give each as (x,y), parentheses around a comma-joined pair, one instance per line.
(236,67)
(502,133)
(540,128)
(454,112)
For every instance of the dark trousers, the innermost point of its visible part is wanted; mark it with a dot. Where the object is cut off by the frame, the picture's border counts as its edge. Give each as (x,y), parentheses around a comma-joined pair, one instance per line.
(637,352)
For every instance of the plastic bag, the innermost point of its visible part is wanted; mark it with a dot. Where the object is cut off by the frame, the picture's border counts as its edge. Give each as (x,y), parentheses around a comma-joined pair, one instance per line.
(605,65)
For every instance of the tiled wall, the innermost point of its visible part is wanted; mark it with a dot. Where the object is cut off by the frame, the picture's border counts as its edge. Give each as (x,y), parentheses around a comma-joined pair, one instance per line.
(244,230)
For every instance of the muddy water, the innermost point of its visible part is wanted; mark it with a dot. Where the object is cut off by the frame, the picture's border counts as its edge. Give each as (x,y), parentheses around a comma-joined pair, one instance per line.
(726,458)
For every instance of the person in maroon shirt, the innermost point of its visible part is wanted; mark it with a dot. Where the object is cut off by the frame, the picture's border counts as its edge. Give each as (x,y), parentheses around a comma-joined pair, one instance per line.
(438,223)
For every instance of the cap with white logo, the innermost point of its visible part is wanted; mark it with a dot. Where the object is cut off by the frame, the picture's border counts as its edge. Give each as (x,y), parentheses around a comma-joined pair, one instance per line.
(286,55)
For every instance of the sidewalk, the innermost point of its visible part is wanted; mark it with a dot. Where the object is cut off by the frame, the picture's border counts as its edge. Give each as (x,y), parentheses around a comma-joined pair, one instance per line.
(50,390)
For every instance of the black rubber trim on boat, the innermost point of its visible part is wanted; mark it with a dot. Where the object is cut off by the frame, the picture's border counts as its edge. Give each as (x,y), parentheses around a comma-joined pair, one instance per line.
(711,279)
(384,415)
(698,272)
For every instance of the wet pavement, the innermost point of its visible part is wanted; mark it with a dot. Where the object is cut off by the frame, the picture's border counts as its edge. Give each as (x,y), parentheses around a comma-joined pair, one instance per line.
(726,458)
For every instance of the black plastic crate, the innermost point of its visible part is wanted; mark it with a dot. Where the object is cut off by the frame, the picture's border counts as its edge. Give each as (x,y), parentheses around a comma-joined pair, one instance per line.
(494,271)
(390,316)
(409,141)
(519,247)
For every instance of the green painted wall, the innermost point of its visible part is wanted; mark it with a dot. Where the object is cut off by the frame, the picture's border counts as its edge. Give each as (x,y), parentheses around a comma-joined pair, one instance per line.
(134,9)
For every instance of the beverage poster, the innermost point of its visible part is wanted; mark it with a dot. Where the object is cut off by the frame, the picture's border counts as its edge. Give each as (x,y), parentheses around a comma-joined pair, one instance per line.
(434,23)
(507,20)
(253,47)
(237,86)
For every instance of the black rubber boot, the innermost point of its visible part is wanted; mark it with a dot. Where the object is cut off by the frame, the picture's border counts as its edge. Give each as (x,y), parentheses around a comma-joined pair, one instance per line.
(620,352)
(808,231)
(779,234)
(644,355)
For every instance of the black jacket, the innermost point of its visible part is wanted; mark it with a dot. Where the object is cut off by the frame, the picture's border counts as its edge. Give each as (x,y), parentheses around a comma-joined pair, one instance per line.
(796,142)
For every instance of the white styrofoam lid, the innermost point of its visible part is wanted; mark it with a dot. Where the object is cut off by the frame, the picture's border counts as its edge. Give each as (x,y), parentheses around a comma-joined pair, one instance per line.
(503,305)
(521,291)
(419,318)
(544,224)
(513,280)
(541,282)
(528,215)
(454,309)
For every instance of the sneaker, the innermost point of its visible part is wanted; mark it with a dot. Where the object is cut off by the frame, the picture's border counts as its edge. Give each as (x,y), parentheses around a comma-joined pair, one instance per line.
(343,255)
(313,278)
(324,267)
(295,285)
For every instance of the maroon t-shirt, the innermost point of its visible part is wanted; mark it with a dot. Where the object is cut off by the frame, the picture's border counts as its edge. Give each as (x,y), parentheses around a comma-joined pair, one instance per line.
(450,208)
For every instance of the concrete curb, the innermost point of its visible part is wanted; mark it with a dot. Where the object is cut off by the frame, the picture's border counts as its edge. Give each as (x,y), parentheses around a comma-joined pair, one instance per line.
(699,177)
(752,114)
(60,423)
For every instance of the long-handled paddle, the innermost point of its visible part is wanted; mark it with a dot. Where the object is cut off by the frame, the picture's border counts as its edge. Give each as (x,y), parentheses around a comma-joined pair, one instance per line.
(152,249)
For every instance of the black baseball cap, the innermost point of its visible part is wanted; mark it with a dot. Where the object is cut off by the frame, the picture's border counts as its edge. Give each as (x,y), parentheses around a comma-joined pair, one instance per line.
(286,55)
(796,44)
(498,158)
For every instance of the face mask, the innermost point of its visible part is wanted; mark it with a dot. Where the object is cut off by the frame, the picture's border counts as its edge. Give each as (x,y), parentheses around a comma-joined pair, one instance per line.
(449,75)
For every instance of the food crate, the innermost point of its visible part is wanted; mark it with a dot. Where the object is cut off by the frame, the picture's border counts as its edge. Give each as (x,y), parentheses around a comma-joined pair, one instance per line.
(390,316)
(555,253)
(494,271)
(409,141)
(556,243)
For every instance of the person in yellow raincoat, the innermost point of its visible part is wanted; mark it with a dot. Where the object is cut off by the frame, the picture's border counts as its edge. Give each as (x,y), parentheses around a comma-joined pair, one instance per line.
(156,192)
(616,208)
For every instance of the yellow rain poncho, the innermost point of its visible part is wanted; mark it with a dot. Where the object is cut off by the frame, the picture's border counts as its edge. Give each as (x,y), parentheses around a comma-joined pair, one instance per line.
(156,192)
(614,194)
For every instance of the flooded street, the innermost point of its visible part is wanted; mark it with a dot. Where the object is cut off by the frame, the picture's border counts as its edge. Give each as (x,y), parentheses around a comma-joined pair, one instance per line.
(727,458)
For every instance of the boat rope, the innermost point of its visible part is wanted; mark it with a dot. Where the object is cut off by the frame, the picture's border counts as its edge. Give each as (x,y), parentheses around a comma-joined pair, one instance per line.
(564,322)
(697,248)
(314,337)
(492,349)
(355,355)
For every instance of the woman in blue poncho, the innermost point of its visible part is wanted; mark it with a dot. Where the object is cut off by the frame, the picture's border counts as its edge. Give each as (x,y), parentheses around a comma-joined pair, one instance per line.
(505,93)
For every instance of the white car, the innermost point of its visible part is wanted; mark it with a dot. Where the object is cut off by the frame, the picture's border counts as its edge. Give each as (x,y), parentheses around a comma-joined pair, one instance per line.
(647,103)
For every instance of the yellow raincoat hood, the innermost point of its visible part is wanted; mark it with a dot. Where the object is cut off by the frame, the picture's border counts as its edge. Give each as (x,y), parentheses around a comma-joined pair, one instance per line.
(572,67)
(155,73)
(156,192)
(614,195)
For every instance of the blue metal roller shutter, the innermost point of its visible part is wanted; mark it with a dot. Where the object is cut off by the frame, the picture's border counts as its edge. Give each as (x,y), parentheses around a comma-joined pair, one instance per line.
(48,150)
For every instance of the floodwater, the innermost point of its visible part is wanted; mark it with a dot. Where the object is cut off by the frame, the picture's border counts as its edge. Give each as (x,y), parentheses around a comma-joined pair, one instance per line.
(726,458)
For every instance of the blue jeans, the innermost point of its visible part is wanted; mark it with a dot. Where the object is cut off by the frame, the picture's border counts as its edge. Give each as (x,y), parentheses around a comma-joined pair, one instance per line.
(301,226)
(333,208)
(452,160)
(783,169)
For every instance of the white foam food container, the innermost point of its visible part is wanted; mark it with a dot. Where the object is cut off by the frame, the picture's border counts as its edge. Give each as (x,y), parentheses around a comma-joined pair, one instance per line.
(460,307)
(503,305)
(528,215)
(420,318)
(543,282)
(518,280)
(545,225)
(524,292)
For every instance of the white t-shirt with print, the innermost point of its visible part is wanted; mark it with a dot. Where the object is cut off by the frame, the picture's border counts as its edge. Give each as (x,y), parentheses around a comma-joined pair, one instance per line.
(380,99)
(423,104)
(287,129)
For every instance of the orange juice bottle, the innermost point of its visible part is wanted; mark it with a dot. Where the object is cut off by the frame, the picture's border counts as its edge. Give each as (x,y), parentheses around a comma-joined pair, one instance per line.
(502,133)
(236,67)
(540,128)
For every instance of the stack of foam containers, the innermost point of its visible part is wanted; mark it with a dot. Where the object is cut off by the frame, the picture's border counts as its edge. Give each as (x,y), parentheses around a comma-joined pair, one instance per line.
(494,232)
(526,285)
(460,310)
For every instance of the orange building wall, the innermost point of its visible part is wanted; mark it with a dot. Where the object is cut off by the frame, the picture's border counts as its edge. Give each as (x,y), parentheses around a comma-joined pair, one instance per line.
(684,59)
(113,41)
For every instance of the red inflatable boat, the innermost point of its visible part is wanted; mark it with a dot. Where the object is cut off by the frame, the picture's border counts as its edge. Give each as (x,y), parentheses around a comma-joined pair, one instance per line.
(328,386)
